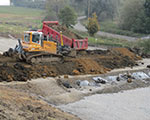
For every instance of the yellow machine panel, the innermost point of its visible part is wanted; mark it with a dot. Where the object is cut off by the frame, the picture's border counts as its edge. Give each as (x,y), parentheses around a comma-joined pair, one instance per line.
(32,43)
(50,47)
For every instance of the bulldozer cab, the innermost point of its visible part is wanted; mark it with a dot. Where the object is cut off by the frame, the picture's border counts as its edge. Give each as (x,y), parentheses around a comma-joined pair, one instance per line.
(34,41)
(33,37)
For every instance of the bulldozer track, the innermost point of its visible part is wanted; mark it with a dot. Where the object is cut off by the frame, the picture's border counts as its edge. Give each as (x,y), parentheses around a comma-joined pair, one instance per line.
(43,57)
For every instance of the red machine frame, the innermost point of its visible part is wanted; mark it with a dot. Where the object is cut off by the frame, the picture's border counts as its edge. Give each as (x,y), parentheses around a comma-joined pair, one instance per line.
(78,44)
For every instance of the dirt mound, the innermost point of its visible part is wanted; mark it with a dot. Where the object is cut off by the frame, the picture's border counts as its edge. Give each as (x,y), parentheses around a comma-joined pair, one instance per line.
(66,31)
(24,72)
(86,62)
(89,66)
(18,105)
(126,52)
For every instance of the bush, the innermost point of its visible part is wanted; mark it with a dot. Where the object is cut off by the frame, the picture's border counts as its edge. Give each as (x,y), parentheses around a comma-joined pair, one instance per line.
(68,16)
(93,26)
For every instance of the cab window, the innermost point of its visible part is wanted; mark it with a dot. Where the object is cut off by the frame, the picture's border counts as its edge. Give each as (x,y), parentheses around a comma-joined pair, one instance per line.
(36,38)
(27,38)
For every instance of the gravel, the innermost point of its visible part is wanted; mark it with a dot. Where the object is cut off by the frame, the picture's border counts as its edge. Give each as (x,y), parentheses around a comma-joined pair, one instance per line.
(127,105)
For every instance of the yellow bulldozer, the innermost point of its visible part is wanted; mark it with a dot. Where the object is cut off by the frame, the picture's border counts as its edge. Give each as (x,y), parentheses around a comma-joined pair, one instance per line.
(46,45)
(35,48)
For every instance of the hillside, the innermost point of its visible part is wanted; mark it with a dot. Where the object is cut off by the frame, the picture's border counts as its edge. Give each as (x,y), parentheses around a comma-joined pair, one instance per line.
(15,20)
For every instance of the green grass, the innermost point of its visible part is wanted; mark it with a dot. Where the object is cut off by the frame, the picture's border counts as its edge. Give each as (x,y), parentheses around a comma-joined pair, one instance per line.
(145,45)
(20,11)
(112,27)
(15,20)
(16,30)
(106,41)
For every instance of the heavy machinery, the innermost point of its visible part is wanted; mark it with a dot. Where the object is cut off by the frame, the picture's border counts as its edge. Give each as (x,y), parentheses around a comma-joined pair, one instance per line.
(34,48)
(47,45)
(78,44)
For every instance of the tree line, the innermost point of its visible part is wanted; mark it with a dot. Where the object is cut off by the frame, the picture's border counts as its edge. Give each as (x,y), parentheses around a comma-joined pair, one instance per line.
(135,16)
(132,15)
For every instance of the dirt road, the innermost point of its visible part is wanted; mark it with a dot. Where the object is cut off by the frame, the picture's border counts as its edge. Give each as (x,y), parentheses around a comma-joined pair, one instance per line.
(127,105)
(6,43)
(80,27)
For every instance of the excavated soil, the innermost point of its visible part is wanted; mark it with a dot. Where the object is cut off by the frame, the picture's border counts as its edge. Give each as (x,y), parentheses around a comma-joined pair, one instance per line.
(86,62)
(16,105)
(66,31)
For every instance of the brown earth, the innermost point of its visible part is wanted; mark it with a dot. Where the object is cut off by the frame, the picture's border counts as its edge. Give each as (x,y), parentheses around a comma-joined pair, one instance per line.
(16,105)
(86,62)
(66,31)
(126,52)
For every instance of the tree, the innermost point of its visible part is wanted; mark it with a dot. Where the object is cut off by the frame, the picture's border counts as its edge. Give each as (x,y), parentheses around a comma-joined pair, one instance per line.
(93,26)
(130,12)
(56,5)
(135,16)
(79,5)
(147,18)
(147,7)
(105,9)
(53,7)
(67,16)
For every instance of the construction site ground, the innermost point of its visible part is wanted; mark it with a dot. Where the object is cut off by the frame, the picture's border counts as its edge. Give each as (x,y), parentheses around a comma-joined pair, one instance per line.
(29,91)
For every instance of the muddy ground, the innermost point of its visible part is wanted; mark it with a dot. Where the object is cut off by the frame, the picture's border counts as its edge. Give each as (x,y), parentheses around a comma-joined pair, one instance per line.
(34,99)
(56,91)
(15,105)
(86,62)
(28,91)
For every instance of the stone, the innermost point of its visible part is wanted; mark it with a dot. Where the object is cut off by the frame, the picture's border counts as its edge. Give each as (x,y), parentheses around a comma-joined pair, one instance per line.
(84,83)
(67,85)
(129,80)
(148,66)
(76,72)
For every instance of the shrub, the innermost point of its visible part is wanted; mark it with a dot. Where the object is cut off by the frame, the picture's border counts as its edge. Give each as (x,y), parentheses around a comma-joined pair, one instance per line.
(93,26)
(68,16)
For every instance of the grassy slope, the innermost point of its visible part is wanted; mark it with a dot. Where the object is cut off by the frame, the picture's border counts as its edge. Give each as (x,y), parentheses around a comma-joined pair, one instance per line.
(20,11)
(15,20)
(112,27)
(106,41)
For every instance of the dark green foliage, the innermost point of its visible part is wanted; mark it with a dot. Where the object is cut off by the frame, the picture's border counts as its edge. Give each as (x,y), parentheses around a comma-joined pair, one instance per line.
(105,9)
(135,16)
(53,7)
(79,5)
(67,16)
(147,7)
(93,26)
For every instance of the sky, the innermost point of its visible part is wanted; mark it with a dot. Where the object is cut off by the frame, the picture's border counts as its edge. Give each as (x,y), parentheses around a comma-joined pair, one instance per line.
(4,2)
